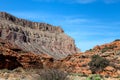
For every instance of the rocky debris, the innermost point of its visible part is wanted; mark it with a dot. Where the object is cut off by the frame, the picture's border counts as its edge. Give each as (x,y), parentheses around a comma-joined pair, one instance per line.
(36,37)
(33,74)
(19,74)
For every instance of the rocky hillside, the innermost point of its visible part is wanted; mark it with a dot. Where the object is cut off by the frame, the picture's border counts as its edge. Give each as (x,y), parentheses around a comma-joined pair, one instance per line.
(12,57)
(79,63)
(25,65)
(36,37)
(20,40)
(17,64)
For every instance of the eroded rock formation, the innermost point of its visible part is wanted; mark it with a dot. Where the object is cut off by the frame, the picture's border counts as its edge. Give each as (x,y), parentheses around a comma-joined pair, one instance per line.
(8,62)
(12,57)
(36,37)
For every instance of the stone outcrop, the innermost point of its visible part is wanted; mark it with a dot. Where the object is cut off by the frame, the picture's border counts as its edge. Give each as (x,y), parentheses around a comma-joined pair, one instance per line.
(12,57)
(8,62)
(36,37)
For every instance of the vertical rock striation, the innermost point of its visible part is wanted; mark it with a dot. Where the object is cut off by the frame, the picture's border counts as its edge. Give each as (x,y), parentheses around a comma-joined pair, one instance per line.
(36,37)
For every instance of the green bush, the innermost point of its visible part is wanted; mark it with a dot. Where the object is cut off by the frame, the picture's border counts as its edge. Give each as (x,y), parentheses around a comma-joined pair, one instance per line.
(108,48)
(90,50)
(104,49)
(98,63)
(94,77)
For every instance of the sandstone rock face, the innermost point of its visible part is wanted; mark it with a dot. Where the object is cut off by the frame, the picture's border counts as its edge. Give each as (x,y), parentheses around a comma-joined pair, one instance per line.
(12,57)
(36,37)
(8,62)
(79,63)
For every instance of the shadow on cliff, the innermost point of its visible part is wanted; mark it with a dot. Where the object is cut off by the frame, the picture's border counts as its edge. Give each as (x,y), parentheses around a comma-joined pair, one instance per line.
(9,62)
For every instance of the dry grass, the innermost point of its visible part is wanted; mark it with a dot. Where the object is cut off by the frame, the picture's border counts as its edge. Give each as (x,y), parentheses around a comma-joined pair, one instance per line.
(37,74)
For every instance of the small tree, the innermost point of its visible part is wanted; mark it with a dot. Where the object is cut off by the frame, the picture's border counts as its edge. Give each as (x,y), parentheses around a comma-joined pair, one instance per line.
(98,63)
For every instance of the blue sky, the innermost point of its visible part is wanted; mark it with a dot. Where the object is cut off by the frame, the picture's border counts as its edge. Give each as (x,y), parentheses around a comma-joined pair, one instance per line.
(89,22)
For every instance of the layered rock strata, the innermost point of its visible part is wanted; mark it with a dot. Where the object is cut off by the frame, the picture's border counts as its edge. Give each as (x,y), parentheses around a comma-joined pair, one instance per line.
(36,37)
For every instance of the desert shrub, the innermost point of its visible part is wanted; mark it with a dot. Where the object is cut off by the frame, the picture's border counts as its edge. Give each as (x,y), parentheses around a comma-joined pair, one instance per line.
(98,63)
(90,50)
(94,77)
(77,74)
(19,70)
(53,74)
(5,71)
(118,52)
(108,48)
(104,49)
